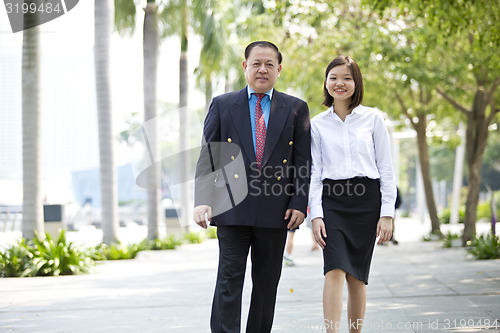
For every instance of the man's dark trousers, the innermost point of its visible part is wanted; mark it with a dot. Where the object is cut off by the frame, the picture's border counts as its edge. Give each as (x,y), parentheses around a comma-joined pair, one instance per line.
(267,246)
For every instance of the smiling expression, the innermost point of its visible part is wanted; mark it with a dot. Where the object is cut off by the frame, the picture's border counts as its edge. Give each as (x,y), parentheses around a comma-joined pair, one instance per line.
(262,69)
(340,83)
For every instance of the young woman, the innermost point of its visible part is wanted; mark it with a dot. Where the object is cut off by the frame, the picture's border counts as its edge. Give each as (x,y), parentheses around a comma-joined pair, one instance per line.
(352,191)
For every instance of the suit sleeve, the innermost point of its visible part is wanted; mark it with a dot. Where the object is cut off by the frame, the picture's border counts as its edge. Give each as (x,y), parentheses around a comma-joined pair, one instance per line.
(301,160)
(206,166)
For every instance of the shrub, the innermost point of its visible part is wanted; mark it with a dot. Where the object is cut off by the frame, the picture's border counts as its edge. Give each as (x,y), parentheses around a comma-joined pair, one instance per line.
(194,237)
(445,215)
(449,239)
(485,247)
(58,257)
(426,238)
(44,257)
(211,232)
(430,237)
(117,251)
(16,261)
(168,243)
(484,212)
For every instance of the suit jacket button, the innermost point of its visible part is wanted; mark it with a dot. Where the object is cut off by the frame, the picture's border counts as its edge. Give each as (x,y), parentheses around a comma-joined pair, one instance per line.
(284,161)
(232,158)
(279,178)
(236,176)
(290,143)
(229,140)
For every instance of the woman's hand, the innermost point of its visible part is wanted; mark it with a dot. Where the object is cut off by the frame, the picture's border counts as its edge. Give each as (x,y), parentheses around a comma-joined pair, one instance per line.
(319,231)
(384,229)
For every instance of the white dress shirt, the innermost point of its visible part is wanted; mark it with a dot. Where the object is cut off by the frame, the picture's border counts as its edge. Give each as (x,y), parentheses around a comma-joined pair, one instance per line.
(357,147)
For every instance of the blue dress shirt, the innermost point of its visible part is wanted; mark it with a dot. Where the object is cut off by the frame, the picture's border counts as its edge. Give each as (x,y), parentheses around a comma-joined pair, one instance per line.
(266,109)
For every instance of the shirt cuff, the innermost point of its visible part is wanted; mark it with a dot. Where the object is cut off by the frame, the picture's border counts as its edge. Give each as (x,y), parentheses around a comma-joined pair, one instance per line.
(316,212)
(387,210)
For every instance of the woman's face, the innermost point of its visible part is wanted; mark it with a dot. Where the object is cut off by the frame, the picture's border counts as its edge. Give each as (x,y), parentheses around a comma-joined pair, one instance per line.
(340,83)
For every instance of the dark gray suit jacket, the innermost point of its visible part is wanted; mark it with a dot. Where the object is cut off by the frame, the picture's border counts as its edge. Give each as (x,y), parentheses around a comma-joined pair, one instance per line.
(227,178)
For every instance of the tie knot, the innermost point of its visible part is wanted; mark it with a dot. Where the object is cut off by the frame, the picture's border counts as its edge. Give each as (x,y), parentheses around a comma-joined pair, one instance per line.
(259,96)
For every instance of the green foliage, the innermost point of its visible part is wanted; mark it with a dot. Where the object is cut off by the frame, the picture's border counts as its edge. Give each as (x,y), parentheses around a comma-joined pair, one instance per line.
(483,213)
(212,232)
(118,251)
(445,215)
(194,237)
(59,257)
(125,11)
(449,239)
(485,247)
(427,238)
(430,237)
(479,18)
(44,257)
(168,243)
(16,261)
(491,161)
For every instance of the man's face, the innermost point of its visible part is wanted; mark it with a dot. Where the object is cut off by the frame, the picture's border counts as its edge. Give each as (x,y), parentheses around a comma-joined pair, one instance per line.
(262,69)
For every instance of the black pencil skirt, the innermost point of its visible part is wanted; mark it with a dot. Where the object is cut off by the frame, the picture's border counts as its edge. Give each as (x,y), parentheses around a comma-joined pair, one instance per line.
(351,210)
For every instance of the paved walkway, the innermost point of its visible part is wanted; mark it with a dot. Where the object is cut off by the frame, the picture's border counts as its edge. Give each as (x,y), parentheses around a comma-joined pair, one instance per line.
(414,287)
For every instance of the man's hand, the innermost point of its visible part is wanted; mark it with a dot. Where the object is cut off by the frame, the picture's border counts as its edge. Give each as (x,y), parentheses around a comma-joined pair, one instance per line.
(319,231)
(384,229)
(296,219)
(202,214)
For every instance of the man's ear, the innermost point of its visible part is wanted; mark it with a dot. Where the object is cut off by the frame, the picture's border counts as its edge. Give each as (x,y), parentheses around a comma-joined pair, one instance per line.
(244,64)
(279,70)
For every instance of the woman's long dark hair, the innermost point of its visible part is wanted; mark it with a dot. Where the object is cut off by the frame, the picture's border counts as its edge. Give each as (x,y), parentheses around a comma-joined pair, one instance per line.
(357,97)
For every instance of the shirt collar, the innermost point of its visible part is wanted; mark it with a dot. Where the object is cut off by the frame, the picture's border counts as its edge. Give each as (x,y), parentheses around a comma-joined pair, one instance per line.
(251,91)
(360,109)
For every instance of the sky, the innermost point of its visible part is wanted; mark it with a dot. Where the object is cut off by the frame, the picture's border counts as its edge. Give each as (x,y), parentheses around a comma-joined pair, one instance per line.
(74,33)
(69,116)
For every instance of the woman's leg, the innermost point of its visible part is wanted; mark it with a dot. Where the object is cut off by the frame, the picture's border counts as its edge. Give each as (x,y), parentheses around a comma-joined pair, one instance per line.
(356,303)
(332,299)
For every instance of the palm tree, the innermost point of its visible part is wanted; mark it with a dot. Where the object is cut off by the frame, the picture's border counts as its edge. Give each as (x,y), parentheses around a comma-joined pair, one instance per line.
(32,197)
(125,22)
(213,20)
(176,17)
(104,10)
(184,114)
(151,43)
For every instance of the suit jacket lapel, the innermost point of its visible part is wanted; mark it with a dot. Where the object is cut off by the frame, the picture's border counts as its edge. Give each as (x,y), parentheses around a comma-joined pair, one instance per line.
(277,119)
(240,113)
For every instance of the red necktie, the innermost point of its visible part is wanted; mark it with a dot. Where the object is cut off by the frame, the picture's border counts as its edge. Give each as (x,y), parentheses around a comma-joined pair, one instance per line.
(260,130)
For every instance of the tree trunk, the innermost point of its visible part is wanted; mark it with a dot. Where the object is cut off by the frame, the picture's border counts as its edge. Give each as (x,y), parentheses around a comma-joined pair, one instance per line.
(104,13)
(458,177)
(208,92)
(32,196)
(228,86)
(184,119)
(151,43)
(423,152)
(476,140)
